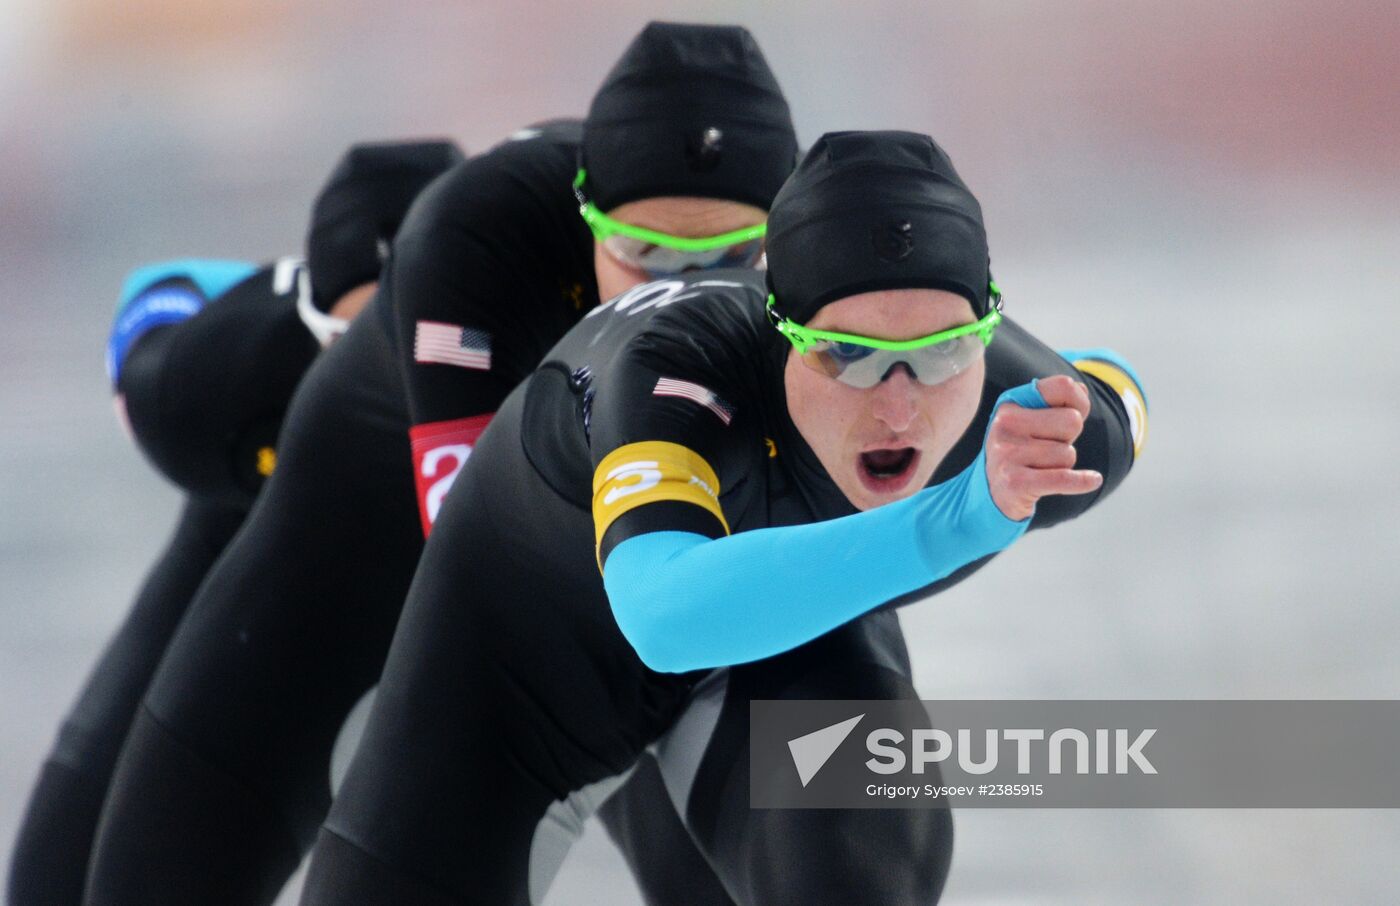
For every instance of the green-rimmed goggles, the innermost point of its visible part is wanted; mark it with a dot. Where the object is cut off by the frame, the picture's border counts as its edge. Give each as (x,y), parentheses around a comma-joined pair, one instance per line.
(864,362)
(664,255)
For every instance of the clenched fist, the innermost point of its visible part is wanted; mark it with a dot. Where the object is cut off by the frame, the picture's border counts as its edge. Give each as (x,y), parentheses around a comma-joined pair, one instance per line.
(1030,452)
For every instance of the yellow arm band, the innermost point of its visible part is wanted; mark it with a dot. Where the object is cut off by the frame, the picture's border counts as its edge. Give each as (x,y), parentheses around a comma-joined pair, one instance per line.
(1127,390)
(649,472)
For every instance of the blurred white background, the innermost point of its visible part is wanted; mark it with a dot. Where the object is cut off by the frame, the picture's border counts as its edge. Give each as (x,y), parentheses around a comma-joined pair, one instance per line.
(1213,189)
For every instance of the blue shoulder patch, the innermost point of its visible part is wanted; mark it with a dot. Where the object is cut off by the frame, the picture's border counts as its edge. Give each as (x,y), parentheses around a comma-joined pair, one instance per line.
(161,294)
(213,277)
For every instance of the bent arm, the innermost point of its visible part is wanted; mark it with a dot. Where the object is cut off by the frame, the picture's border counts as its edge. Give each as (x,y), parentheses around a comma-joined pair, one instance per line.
(687,602)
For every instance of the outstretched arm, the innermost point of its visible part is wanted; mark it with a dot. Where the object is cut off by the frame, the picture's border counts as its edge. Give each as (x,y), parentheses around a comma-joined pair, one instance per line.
(686,601)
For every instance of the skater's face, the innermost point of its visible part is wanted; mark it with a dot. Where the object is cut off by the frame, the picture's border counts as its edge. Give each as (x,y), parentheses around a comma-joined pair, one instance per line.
(684,217)
(883,443)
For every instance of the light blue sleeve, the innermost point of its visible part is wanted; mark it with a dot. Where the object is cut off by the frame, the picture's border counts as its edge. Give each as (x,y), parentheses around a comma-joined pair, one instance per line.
(145,304)
(687,602)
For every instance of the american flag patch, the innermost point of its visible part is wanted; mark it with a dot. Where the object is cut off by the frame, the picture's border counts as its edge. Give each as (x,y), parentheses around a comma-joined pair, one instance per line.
(695,393)
(452,344)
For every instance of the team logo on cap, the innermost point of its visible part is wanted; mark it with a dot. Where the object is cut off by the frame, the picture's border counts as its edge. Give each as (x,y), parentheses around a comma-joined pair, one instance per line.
(893,241)
(702,153)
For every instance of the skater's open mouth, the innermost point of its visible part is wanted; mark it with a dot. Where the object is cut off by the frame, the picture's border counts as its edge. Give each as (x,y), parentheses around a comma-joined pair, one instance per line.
(887,470)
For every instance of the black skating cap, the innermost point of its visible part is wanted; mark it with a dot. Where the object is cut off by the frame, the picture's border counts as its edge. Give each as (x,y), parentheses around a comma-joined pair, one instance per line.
(689,110)
(867,211)
(360,208)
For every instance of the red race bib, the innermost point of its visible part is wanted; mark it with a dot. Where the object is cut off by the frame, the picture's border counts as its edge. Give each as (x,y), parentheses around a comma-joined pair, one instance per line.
(440,449)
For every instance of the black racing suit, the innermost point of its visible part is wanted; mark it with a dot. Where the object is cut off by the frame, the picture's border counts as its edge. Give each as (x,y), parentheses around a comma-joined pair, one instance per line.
(223,782)
(204,398)
(511,701)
